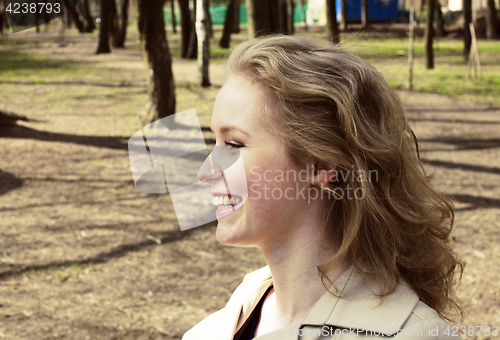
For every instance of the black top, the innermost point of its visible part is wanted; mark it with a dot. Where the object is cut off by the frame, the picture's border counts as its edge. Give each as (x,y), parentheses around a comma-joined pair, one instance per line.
(247,331)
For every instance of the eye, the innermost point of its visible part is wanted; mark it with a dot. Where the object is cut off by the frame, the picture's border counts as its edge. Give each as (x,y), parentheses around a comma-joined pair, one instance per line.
(234,144)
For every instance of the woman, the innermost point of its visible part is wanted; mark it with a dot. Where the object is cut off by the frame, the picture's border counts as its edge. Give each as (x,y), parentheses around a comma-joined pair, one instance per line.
(356,240)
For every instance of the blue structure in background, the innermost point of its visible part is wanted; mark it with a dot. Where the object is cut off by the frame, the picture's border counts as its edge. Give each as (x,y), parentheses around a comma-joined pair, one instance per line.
(378,10)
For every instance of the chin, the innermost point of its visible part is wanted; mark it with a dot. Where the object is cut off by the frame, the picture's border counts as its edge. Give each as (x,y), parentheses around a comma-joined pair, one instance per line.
(223,235)
(227,235)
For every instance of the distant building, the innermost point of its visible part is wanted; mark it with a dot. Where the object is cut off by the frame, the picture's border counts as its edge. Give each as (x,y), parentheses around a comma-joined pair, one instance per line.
(378,11)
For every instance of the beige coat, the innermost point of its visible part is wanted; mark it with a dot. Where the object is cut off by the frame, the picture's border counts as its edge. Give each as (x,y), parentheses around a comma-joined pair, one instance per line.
(356,313)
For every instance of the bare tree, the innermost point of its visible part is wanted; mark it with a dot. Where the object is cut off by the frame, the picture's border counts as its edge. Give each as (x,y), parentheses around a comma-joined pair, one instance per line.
(492,21)
(274,15)
(291,7)
(259,18)
(67,20)
(210,25)
(174,22)
(192,51)
(186,26)
(467,8)
(77,18)
(429,35)
(236,28)
(37,21)
(365,20)
(331,17)
(121,36)
(228,24)
(203,42)
(156,54)
(283,15)
(114,23)
(439,31)
(89,21)
(343,22)
(103,46)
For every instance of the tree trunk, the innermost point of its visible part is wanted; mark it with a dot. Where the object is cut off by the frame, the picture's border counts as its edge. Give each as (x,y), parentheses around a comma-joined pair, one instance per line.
(186,26)
(491,21)
(283,12)
(3,17)
(210,26)
(365,20)
(67,19)
(114,24)
(60,34)
(274,16)
(429,35)
(192,52)
(103,46)
(467,8)
(439,20)
(343,22)
(259,20)
(37,19)
(156,54)
(331,17)
(89,21)
(250,18)
(203,42)
(122,33)
(75,15)
(237,8)
(174,22)
(291,7)
(228,24)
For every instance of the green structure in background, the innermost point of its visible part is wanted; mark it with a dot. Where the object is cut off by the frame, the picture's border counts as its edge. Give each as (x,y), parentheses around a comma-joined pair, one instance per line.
(218,15)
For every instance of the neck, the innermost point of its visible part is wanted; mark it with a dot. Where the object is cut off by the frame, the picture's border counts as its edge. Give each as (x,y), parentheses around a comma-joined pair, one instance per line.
(296,280)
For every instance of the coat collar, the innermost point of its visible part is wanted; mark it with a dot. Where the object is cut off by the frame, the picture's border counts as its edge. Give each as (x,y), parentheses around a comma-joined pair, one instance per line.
(358,307)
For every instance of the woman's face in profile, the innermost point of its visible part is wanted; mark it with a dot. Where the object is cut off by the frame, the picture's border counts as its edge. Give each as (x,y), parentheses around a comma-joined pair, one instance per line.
(273,203)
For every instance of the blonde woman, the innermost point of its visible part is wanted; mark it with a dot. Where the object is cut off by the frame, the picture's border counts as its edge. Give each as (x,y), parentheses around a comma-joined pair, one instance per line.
(355,238)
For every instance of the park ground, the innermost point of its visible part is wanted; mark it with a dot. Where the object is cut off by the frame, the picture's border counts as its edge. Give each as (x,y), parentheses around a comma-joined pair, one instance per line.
(84,255)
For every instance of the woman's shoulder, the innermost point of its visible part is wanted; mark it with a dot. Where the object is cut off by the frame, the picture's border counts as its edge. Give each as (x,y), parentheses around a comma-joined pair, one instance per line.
(221,324)
(425,323)
(359,311)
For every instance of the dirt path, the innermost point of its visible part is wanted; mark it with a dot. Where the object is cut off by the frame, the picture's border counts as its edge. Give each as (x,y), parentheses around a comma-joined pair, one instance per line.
(84,255)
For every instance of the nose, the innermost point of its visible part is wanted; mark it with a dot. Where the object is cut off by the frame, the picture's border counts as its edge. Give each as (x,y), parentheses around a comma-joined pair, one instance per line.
(220,159)
(209,170)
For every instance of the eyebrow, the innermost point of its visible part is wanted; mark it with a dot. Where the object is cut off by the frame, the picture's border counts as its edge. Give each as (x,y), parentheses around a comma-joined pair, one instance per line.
(226,128)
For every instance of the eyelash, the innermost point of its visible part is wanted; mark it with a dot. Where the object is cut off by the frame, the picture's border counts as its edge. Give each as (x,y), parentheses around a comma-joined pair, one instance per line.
(235,144)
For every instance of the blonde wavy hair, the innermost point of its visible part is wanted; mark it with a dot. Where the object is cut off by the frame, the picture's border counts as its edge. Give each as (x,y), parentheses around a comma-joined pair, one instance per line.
(333,107)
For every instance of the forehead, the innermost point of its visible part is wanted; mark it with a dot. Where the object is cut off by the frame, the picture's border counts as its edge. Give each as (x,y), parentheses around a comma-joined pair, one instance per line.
(241,103)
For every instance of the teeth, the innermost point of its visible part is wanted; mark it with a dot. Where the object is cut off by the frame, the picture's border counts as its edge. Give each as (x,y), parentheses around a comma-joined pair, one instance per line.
(224,202)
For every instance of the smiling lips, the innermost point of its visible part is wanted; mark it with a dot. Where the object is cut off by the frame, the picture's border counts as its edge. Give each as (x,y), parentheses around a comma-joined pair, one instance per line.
(224,202)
